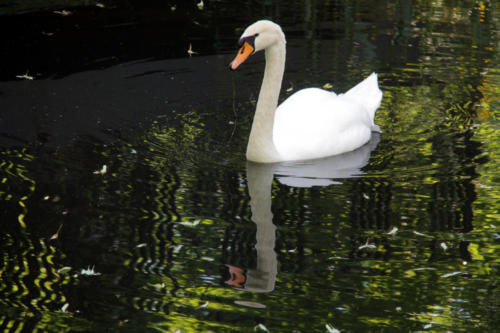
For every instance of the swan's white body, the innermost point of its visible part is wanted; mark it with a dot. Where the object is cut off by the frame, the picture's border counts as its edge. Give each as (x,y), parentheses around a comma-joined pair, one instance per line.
(312,123)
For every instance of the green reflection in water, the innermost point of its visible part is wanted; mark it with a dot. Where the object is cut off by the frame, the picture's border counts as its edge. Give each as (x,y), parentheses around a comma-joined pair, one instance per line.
(167,216)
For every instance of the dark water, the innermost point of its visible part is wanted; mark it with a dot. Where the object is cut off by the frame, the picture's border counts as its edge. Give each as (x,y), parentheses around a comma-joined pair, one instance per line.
(126,199)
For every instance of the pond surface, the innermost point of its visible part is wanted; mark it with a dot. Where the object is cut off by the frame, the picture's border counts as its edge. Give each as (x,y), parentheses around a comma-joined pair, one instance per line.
(127,203)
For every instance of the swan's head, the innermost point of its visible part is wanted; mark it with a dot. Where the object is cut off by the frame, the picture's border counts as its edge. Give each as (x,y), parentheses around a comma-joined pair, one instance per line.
(258,36)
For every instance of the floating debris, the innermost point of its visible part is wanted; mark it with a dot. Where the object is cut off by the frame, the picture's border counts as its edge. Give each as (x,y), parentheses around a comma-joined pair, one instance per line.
(190,50)
(89,271)
(173,8)
(141,245)
(25,77)
(100,5)
(64,307)
(393,231)
(331,329)
(444,246)
(260,327)
(424,269)
(63,12)
(451,274)
(367,245)
(122,322)
(56,235)
(421,234)
(178,248)
(103,170)
(327,86)
(289,89)
(200,5)
(204,305)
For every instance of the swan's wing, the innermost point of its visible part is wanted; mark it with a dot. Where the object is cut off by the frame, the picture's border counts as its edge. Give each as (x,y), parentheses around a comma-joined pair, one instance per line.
(369,95)
(315,123)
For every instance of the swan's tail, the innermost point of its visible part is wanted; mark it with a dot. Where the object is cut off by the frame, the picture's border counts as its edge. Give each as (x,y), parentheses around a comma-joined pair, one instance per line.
(367,93)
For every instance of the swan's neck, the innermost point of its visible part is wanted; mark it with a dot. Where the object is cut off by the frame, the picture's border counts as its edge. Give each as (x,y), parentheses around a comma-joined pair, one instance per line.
(260,144)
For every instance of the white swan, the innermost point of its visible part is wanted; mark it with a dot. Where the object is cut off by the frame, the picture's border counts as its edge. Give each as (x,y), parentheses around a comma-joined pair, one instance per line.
(312,123)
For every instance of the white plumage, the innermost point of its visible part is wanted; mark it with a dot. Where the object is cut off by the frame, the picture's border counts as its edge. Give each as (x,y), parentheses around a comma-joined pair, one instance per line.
(312,123)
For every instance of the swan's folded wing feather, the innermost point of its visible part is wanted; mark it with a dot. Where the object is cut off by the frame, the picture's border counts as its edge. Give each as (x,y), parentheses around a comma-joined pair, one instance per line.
(314,123)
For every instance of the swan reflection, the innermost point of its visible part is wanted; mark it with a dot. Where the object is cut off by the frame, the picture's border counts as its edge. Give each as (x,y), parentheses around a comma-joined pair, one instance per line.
(322,172)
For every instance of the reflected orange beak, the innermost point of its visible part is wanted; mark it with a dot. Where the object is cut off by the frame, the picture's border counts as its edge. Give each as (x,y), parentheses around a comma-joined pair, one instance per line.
(243,53)
(237,276)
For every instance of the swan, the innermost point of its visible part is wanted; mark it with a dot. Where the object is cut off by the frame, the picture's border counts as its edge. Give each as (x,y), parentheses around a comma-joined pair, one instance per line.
(312,123)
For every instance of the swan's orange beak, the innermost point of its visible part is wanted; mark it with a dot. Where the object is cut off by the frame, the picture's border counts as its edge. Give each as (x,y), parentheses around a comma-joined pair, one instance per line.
(243,53)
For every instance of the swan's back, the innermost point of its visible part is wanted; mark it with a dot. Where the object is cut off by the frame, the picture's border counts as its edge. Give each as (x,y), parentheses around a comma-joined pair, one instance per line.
(314,123)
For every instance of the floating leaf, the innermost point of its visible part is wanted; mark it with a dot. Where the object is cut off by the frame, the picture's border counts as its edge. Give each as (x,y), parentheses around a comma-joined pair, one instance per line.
(63,12)
(331,329)
(200,5)
(260,327)
(204,305)
(451,274)
(421,234)
(56,235)
(444,246)
(103,170)
(89,271)
(64,307)
(393,231)
(141,245)
(425,269)
(327,86)
(25,76)
(190,50)
(178,248)
(367,245)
